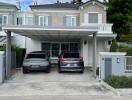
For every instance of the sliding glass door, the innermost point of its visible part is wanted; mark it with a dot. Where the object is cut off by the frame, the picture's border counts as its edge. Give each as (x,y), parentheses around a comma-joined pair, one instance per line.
(54,49)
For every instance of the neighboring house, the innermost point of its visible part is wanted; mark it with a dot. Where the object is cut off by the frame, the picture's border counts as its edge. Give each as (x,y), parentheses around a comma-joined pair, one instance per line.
(52,24)
(7,13)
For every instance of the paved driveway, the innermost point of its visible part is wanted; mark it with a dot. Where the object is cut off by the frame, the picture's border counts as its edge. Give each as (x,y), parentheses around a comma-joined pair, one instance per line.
(53,84)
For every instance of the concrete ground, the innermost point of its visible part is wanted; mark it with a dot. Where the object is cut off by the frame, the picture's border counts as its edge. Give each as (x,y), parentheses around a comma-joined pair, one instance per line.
(43,85)
(63,98)
(125,91)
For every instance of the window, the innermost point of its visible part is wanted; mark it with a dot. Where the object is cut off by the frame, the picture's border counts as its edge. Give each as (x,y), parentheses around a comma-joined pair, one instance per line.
(93,17)
(71,55)
(74,47)
(29,20)
(43,20)
(54,49)
(19,20)
(46,47)
(42,56)
(3,20)
(70,20)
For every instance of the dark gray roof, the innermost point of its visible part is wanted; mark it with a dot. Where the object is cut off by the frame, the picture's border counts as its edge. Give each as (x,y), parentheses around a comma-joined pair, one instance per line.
(62,5)
(7,5)
(57,5)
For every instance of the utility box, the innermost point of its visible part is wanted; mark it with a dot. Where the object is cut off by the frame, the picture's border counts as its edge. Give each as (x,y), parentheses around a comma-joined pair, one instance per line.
(111,63)
(2,66)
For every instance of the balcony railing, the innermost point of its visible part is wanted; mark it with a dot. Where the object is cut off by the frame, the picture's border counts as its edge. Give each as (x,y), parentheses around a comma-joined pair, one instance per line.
(102,28)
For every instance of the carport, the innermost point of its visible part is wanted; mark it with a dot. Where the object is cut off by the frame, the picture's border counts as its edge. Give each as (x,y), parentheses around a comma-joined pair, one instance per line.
(40,32)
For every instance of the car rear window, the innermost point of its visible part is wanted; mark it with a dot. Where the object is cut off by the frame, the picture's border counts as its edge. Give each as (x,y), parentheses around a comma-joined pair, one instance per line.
(42,56)
(71,55)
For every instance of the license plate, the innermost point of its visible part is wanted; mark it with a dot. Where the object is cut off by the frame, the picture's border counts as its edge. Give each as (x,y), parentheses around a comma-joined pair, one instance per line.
(73,65)
(35,66)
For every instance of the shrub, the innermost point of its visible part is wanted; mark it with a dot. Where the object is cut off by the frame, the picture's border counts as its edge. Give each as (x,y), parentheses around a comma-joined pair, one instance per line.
(114,46)
(119,81)
(2,48)
(126,49)
(20,54)
(97,71)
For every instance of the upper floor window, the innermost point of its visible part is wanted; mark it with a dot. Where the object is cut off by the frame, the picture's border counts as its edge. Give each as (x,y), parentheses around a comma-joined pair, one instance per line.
(19,20)
(43,20)
(29,20)
(3,19)
(93,17)
(71,21)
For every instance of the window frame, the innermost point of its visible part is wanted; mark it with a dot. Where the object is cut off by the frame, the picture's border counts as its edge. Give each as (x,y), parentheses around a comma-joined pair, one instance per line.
(3,23)
(97,17)
(44,23)
(27,20)
(18,20)
(71,23)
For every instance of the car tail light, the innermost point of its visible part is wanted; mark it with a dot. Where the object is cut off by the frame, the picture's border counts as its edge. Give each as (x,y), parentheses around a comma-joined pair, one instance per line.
(61,58)
(81,57)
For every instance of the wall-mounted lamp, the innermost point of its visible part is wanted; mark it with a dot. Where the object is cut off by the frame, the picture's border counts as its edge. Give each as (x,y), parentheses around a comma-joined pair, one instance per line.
(109,42)
(85,42)
(118,60)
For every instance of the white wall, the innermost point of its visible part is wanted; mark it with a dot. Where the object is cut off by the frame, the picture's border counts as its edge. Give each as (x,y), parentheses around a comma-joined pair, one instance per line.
(84,51)
(87,50)
(32,45)
(18,40)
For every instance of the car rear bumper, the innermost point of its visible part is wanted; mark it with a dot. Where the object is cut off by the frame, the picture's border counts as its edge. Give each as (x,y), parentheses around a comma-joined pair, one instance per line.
(40,68)
(74,69)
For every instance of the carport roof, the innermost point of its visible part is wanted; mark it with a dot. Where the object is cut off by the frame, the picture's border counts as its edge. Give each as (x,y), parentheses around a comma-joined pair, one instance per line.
(40,31)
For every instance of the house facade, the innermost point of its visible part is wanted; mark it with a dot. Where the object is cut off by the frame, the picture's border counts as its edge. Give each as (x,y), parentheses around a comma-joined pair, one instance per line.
(61,27)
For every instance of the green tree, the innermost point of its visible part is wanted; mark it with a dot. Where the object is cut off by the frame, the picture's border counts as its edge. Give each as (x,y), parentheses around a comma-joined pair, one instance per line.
(77,1)
(114,46)
(120,14)
(73,1)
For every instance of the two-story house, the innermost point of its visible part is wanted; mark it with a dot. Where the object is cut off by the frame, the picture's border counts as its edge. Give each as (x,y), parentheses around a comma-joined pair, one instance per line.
(62,27)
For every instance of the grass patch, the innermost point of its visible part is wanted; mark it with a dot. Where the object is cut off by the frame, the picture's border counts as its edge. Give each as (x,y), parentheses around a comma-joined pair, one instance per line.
(119,81)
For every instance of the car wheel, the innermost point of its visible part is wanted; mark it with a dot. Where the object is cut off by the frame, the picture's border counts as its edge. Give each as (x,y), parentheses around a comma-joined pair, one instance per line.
(25,71)
(48,70)
(82,71)
(59,70)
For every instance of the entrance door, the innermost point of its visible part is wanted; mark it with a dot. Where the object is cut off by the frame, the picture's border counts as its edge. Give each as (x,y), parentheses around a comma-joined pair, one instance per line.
(108,67)
(55,48)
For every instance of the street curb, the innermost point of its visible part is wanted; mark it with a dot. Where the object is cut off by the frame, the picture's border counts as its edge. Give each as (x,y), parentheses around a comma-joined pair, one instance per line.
(116,92)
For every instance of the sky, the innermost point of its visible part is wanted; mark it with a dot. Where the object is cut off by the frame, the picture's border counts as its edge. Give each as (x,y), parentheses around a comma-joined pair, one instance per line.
(25,3)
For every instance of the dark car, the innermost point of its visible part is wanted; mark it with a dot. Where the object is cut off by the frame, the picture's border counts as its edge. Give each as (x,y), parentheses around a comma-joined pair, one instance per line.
(70,62)
(36,61)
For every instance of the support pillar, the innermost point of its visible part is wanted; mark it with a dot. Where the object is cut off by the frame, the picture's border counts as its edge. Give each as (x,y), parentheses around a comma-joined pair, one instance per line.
(8,54)
(94,53)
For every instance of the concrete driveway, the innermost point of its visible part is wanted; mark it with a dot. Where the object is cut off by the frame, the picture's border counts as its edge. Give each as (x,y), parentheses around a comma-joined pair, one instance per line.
(53,84)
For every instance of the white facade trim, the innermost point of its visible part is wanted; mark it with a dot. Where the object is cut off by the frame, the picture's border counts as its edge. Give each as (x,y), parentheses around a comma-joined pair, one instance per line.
(93,3)
(53,29)
(71,15)
(60,11)
(113,53)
